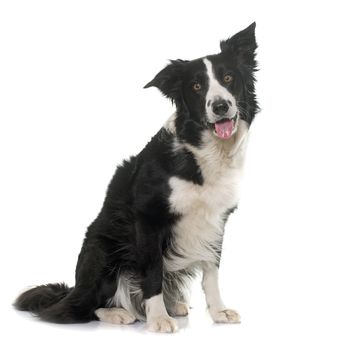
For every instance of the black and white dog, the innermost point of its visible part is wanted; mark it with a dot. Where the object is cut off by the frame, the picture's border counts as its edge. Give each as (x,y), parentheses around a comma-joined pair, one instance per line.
(165,210)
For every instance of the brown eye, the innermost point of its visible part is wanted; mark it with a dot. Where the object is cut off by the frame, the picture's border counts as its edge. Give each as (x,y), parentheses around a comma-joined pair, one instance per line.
(228,78)
(196,86)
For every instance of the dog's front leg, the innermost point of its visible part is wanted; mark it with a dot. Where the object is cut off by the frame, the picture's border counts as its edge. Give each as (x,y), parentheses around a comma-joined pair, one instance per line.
(216,307)
(158,319)
(150,244)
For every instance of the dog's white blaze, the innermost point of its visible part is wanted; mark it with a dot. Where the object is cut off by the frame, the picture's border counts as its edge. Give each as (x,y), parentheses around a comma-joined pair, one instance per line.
(217,91)
(200,229)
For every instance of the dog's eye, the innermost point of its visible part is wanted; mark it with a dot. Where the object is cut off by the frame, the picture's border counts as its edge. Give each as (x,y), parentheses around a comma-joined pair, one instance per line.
(196,86)
(228,78)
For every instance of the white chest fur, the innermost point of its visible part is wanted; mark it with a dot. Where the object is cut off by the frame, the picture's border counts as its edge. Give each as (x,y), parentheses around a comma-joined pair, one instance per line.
(199,231)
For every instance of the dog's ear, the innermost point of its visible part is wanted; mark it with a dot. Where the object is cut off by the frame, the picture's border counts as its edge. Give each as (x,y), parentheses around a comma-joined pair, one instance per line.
(242,45)
(169,79)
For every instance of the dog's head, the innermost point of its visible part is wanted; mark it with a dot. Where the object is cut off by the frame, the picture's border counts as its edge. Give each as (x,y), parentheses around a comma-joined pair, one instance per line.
(213,92)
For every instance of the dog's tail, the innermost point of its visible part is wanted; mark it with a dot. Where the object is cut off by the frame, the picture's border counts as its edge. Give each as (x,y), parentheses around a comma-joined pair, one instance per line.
(54,303)
(40,298)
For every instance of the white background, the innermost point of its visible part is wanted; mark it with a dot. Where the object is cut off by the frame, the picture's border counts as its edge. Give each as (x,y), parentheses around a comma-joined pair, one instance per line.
(72,107)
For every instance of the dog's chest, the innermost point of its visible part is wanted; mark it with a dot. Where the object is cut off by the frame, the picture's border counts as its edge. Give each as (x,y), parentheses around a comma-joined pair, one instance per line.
(198,232)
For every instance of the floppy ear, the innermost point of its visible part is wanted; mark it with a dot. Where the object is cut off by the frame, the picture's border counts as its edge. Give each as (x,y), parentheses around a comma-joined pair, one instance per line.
(243,45)
(169,80)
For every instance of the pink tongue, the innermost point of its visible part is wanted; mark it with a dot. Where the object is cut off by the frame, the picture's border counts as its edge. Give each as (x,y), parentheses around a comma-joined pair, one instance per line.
(224,129)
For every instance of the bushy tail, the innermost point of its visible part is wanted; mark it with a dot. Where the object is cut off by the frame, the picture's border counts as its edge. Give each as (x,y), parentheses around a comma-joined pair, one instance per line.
(39,298)
(55,303)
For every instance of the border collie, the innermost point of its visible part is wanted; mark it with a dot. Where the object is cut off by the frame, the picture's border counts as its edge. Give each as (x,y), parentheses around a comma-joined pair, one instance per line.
(165,210)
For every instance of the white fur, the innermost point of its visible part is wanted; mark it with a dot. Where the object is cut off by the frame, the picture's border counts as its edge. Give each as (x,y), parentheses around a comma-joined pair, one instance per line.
(179,309)
(126,288)
(217,91)
(115,315)
(200,228)
(158,319)
(216,307)
(169,125)
(225,316)
(211,287)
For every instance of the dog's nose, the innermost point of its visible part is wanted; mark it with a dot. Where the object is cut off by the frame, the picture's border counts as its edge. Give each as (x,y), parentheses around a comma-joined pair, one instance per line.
(220,107)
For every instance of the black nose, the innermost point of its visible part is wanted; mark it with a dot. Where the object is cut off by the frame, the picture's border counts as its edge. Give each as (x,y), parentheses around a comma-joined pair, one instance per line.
(220,107)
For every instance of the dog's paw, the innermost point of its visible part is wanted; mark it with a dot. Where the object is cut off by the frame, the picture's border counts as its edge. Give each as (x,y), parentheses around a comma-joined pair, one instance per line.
(179,309)
(225,316)
(162,324)
(115,315)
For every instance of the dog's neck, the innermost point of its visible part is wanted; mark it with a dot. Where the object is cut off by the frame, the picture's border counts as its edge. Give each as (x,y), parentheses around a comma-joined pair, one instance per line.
(216,158)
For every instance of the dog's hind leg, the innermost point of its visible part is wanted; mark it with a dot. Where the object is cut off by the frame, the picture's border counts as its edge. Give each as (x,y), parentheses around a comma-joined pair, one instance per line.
(176,287)
(115,315)
(178,309)
(94,286)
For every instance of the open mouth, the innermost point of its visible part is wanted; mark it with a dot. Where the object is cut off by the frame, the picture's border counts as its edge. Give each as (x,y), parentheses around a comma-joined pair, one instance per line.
(224,128)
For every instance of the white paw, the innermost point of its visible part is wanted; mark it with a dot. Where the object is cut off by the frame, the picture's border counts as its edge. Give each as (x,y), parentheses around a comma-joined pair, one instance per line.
(115,315)
(225,316)
(179,309)
(162,324)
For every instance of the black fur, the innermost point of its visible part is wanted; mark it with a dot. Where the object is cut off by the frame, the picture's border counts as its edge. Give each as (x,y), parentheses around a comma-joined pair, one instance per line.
(39,298)
(133,230)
